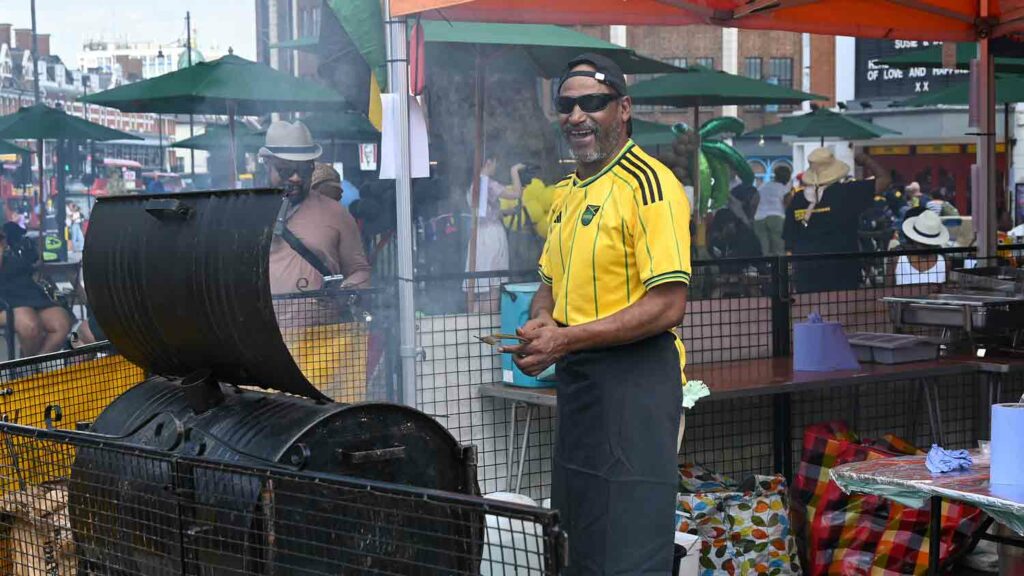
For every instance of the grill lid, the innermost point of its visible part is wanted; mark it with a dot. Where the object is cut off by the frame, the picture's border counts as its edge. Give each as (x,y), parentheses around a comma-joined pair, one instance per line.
(180,283)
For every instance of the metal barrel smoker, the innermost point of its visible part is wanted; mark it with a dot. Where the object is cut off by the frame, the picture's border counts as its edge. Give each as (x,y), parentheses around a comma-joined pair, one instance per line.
(180,284)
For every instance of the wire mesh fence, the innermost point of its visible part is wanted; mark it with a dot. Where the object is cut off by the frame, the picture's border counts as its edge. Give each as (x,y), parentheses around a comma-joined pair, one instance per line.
(342,340)
(453,364)
(737,310)
(226,518)
(64,390)
(735,436)
(76,502)
(99,507)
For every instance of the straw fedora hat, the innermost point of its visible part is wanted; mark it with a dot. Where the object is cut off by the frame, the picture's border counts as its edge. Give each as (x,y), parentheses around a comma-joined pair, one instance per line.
(824,168)
(290,141)
(926,228)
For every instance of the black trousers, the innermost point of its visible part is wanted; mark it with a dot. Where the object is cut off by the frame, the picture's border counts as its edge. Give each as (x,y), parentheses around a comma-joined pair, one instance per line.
(615,473)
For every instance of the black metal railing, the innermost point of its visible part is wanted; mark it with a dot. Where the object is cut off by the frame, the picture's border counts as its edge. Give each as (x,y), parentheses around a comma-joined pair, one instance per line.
(79,503)
(737,310)
(76,502)
(343,340)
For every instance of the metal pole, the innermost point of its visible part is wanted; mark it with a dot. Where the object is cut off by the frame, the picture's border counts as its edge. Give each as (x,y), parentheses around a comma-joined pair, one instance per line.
(986,219)
(191,123)
(398,68)
(1009,194)
(232,110)
(92,149)
(935,529)
(478,162)
(35,53)
(39,141)
(160,141)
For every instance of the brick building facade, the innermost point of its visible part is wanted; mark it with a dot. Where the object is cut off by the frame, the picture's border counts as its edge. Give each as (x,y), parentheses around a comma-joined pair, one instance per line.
(766,55)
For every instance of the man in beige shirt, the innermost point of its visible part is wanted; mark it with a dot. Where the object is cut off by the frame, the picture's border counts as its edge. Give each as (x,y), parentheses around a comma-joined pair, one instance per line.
(323,225)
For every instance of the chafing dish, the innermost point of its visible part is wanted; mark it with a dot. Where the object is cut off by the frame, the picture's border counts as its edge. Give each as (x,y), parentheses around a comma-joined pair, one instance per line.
(971,312)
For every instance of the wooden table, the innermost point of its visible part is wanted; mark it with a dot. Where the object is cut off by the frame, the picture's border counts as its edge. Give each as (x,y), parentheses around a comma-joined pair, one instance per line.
(748,378)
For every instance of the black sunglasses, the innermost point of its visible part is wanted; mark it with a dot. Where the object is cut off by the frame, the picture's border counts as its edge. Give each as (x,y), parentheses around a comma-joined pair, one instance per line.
(286,169)
(588,102)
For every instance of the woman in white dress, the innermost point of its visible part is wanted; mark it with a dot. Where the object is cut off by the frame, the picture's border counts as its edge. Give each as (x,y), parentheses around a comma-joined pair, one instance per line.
(491,238)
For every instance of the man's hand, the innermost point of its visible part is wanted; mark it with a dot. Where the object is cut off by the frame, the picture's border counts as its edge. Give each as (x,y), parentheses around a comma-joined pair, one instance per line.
(547,345)
(527,330)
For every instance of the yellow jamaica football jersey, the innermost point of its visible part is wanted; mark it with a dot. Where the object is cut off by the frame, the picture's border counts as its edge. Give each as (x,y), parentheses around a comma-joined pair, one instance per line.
(614,236)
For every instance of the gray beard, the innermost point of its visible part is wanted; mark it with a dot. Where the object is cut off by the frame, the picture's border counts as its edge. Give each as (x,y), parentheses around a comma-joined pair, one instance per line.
(606,145)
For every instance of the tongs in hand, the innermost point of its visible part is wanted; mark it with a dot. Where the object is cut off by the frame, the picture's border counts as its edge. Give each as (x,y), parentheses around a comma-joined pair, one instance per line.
(496,339)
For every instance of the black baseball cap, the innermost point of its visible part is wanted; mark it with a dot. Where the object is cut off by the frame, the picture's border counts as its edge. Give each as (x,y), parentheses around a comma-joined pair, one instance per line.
(606,71)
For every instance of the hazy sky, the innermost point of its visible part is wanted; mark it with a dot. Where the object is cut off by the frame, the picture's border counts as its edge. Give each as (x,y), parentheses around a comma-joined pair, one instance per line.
(220,23)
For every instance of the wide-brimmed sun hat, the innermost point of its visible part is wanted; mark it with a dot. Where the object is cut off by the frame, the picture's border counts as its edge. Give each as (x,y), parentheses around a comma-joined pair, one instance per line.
(824,168)
(926,228)
(290,141)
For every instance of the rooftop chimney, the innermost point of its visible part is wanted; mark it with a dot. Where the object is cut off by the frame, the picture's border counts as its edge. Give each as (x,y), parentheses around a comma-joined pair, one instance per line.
(23,38)
(44,45)
(5,34)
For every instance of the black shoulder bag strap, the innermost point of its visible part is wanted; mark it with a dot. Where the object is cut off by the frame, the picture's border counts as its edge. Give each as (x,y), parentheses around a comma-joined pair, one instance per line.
(305,252)
(281,229)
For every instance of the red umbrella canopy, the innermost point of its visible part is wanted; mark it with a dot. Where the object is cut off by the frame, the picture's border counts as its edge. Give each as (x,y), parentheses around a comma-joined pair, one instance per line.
(904,19)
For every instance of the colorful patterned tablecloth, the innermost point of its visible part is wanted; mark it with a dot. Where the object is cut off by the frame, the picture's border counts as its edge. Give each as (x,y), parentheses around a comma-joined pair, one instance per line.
(908,481)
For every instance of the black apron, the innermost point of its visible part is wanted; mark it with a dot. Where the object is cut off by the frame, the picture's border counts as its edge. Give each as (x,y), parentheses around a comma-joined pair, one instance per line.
(615,473)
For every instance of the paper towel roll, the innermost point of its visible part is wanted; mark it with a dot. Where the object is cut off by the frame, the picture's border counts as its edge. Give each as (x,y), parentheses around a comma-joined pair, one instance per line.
(822,347)
(1007,444)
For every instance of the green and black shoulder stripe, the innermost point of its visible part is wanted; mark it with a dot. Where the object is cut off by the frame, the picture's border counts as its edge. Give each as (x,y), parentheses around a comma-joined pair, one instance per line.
(648,181)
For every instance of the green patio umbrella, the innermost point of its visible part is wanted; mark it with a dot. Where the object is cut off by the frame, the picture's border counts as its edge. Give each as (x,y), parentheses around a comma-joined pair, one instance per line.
(40,122)
(931,57)
(650,134)
(8,148)
(219,136)
(822,123)
(698,86)
(546,47)
(228,85)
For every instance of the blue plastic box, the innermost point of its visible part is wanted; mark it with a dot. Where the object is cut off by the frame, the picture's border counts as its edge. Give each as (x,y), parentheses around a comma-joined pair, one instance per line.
(515,311)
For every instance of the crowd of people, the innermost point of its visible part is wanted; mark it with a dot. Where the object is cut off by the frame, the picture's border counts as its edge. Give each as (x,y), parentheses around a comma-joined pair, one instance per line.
(825,210)
(821,210)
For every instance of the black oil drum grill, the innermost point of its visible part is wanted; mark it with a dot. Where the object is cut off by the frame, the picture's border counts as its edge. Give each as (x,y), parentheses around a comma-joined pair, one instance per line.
(196,470)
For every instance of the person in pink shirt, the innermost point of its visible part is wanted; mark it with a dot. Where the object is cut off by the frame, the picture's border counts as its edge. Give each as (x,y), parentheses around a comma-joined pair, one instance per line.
(328,240)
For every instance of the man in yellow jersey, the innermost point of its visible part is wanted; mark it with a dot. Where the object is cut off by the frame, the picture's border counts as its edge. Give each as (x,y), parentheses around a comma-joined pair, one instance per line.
(615,270)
